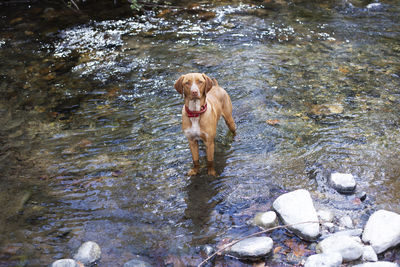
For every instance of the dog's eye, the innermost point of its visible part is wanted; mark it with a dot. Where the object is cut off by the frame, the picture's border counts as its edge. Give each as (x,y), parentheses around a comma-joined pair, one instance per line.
(200,81)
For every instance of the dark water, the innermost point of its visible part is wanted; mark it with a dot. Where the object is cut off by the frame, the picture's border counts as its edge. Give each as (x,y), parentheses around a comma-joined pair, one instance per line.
(91,141)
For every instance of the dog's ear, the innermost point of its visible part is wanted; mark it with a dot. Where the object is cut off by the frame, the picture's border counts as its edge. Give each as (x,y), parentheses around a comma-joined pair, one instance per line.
(178,85)
(209,82)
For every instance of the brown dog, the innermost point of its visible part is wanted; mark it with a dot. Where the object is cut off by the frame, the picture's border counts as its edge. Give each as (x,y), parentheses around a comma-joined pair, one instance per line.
(205,102)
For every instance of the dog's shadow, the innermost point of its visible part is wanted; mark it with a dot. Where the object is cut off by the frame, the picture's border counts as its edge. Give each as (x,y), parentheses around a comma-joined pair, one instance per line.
(203,188)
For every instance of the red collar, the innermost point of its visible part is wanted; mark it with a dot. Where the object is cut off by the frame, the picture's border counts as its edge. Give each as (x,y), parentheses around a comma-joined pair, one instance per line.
(195,114)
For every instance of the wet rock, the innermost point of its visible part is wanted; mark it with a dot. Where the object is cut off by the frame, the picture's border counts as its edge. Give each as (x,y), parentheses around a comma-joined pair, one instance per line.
(382,230)
(343,182)
(137,263)
(369,254)
(266,219)
(325,215)
(252,248)
(346,222)
(325,259)
(288,206)
(326,109)
(378,264)
(65,263)
(88,253)
(347,246)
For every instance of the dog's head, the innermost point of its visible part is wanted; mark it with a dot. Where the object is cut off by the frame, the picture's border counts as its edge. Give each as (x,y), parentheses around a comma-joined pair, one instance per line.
(193,85)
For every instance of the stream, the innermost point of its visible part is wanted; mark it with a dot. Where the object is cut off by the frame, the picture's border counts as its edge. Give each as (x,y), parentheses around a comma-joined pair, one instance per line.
(91,146)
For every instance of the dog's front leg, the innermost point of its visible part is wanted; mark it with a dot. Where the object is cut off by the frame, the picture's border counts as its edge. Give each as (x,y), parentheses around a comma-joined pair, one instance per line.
(194,149)
(210,157)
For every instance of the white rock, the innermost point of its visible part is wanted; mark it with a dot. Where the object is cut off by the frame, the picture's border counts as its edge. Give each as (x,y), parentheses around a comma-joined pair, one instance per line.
(378,264)
(252,248)
(347,246)
(369,254)
(65,263)
(346,222)
(325,259)
(295,208)
(343,182)
(382,230)
(326,216)
(88,253)
(137,263)
(266,219)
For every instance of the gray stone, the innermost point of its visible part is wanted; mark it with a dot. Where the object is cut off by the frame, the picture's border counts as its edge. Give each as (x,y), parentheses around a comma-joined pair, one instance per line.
(266,219)
(325,259)
(137,263)
(378,264)
(382,230)
(65,263)
(252,248)
(343,182)
(294,209)
(325,216)
(369,254)
(88,253)
(346,222)
(347,246)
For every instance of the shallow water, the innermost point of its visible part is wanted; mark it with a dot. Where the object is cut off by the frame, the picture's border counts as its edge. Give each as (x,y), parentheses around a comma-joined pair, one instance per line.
(91,143)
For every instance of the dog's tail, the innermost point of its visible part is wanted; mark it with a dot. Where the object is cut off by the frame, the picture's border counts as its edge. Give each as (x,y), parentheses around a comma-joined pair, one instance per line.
(215,83)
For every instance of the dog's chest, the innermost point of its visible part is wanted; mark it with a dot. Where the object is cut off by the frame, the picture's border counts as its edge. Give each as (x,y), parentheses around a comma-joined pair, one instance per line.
(193,132)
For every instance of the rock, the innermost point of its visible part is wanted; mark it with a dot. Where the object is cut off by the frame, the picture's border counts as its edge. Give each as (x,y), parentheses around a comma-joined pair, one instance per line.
(347,246)
(65,263)
(346,222)
(326,109)
(288,206)
(377,264)
(266,219)
(369,254)
(88,253)
(325,259)
(137,263)
(382,230)
(252,248)
(208,250)
(325,215)
(343,182)
(351,232)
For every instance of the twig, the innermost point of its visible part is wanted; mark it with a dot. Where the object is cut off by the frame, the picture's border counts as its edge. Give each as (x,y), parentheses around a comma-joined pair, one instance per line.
(76,6)
(248,236)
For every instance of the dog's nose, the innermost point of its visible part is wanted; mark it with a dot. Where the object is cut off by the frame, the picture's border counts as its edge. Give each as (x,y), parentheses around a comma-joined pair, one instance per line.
(195,93)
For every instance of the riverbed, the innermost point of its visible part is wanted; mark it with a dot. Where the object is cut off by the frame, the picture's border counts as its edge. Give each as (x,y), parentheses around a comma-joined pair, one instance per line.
(92,147)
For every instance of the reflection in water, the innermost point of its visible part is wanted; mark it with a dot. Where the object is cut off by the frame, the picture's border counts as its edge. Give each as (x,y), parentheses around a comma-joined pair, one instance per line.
(91,143)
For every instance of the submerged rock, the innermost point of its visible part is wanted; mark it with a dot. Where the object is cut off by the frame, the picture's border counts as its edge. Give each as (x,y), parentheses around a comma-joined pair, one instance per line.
(382,230)
(295,208)
(266,219)
(65,263)
(252,248)
(137,263)
(347,246)
(325,259)
(343,182)
(88,253)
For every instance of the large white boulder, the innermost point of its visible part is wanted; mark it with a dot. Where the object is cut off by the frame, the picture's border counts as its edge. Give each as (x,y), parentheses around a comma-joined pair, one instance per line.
(347,246)
(382,230)
(295,208)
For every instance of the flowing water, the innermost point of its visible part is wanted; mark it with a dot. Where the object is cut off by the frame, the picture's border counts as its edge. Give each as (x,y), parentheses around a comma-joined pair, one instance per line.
(91,140)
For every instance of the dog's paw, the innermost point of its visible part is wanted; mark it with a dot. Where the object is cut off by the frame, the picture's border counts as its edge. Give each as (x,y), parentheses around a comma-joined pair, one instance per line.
(193,171)
(212,172)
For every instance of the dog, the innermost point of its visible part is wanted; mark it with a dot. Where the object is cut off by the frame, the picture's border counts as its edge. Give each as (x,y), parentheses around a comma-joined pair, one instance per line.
(205,101)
